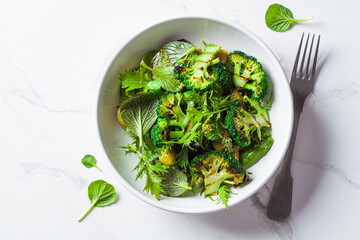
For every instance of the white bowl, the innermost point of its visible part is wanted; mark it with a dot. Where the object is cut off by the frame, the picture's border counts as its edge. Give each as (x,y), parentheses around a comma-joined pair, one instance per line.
(194,29)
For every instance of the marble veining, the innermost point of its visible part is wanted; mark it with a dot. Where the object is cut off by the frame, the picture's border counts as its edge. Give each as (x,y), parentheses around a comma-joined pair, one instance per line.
(33,169)
(284,230)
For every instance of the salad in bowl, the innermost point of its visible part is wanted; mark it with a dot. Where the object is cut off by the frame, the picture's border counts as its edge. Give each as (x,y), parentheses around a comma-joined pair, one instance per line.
(198,119)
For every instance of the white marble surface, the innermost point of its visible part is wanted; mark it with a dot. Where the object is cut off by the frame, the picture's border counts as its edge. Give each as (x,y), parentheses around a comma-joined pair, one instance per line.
(51,56)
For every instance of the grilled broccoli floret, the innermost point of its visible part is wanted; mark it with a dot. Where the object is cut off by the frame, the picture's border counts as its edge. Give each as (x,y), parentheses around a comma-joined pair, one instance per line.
(244,118)
(248,74)
(219,167)
(203,71)
(174,121)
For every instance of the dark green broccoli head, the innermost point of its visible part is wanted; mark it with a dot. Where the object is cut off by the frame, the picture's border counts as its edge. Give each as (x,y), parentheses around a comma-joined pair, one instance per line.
(248,74)
(160,133)
(200,74)
(217,167)
(222,78)
(174,119)
(244,118)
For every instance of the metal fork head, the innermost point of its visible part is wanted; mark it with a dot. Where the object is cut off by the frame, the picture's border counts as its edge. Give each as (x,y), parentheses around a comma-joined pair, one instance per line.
(303,79)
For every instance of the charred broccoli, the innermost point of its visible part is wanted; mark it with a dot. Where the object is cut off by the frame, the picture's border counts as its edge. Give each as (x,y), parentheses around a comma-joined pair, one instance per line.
(175,121)
(248,74)
(203,71)
(219,167)
(244,118)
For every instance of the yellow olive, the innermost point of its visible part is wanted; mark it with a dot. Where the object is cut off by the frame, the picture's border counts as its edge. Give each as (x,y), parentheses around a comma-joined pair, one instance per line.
(222,54)
(217,144)
(119,119)
(236,154)
(167,157)
(236,95)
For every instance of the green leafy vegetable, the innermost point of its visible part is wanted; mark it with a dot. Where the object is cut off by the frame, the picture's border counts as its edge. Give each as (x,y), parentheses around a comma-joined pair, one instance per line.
(139,113)
(160,60)
(177,50)
(89,161)
(133,79)
(166,77)
(223,195)
(146,168)
(182,158)
(253,154)
(174,183)
(101,194)
(279,18)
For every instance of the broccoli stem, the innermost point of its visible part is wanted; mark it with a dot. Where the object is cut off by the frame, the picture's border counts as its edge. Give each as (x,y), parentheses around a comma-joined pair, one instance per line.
(212,183)
(237,78)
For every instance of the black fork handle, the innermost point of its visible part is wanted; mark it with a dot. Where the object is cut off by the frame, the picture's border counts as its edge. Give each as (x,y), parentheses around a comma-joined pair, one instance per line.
(280,202)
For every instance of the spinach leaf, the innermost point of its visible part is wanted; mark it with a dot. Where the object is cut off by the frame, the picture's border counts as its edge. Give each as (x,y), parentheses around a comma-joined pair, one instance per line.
(139,113)
(101,194)
(89,161)
(279,18)
(174,182)
(161,59)
(166,77)
(177,50)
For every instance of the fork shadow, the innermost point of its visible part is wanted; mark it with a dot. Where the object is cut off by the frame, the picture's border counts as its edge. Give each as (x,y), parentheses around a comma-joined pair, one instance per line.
(249,218)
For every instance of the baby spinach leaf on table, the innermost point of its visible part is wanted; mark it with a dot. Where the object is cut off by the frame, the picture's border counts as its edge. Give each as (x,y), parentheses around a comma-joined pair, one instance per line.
(89,161)
(101,194)
(279,18)
(174,182)
(139,113)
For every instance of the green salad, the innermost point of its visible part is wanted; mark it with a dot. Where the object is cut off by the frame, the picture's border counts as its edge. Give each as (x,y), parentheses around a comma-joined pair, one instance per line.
(198,118)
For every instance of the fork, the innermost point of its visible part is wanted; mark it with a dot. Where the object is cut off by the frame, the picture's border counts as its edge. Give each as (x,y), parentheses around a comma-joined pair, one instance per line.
(302,84)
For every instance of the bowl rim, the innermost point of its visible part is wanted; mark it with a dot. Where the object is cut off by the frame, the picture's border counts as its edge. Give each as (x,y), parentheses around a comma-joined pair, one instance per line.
(110,60)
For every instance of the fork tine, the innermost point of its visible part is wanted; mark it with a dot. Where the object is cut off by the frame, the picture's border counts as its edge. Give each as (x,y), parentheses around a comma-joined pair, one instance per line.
(297,57)
(315,60)
(304,55)
(309,58)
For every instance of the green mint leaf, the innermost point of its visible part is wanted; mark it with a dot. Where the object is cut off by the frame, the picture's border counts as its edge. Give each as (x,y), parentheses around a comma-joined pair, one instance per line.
(101,194)
(279,18)
(139,113)
(89,161)
(174,182)
(178,50)
(166,76)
